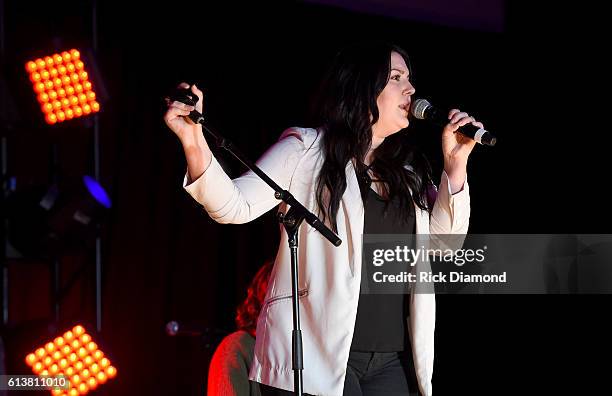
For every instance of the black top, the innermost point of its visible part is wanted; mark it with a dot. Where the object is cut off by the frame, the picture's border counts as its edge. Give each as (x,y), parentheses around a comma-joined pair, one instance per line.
(381,318)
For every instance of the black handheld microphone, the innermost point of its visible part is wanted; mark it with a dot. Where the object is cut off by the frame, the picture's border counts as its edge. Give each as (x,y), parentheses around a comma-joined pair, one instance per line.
(423,110)
(174,329)
(209,336)
(184,95)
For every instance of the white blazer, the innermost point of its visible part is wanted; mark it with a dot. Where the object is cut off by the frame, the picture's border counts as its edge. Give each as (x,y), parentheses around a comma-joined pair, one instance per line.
(329,276)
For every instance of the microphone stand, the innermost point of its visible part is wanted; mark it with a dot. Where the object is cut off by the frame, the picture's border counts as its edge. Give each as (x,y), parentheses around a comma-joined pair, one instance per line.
(291,222)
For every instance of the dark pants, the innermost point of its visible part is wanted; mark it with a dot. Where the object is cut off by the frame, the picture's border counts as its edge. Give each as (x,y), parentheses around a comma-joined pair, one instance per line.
(369,374)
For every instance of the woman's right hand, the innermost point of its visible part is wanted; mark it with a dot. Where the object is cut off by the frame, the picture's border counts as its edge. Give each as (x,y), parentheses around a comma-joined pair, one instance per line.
(177,120)
(197,152)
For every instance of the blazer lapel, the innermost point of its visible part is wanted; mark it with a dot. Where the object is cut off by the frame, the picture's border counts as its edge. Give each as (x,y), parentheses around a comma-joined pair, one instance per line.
(352,207)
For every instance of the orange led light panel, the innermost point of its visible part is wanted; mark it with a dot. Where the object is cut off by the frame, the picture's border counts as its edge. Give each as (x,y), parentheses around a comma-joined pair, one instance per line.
(76,356)
(62,76)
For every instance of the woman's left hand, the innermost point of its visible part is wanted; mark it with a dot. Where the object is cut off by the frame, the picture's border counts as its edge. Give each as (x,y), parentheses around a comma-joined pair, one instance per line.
(456,148)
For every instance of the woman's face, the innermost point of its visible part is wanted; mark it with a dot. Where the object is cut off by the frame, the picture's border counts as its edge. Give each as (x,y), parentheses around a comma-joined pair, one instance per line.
(394,101)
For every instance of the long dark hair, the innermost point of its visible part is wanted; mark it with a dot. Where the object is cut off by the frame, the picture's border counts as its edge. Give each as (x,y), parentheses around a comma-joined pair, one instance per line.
(346,107)
(248,311)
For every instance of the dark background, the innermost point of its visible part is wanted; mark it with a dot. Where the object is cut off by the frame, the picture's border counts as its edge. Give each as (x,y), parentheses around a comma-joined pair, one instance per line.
(532,76)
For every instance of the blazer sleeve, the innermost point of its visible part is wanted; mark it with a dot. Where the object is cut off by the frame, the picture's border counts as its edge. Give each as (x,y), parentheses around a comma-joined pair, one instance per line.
(248,197)
(451,212)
